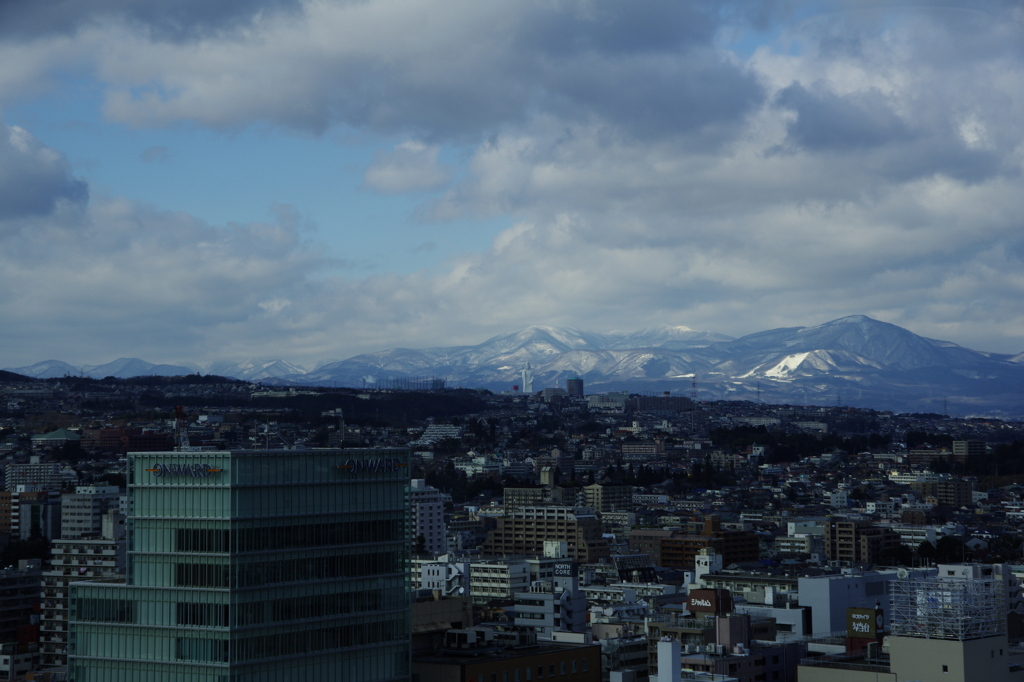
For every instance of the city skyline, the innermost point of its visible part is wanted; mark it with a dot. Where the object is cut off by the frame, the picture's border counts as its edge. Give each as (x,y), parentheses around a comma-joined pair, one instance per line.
(311,181)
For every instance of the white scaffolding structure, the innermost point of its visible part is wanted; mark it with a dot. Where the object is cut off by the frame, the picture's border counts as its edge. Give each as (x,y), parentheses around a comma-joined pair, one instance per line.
(947,609)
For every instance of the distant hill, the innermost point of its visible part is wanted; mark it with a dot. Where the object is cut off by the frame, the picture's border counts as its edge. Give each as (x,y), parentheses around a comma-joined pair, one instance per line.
(854,360)
(11,376)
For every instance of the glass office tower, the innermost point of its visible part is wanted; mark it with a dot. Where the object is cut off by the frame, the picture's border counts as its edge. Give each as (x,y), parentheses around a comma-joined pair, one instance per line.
(254,566)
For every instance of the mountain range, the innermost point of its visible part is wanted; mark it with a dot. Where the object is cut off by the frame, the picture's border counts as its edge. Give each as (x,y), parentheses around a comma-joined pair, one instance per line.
(854,360)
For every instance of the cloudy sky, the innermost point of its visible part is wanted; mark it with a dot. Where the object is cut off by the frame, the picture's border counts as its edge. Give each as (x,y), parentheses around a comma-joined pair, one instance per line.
(185,180)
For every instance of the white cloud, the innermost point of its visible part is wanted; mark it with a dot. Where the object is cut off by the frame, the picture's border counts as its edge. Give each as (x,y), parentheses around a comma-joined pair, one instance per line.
(35,180)
(410,167)
(650,178)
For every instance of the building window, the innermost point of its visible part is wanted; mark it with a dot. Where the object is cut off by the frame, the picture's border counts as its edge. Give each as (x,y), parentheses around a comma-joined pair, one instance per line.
(540,672)
(585,666)
(945,668)
(562,667)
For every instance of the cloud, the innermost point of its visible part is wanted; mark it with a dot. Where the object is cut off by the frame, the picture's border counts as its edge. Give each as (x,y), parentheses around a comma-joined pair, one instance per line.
(126,276)
(409,167)
(162,19)
(34,179)
(434,72)
(865,162)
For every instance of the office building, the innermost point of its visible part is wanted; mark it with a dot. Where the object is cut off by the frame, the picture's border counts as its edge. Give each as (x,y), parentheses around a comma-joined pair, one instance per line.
(524,532)
(574,387)
(608,497)
(427,517)
(553,605)
(252,566)
(856,541)
(82,512)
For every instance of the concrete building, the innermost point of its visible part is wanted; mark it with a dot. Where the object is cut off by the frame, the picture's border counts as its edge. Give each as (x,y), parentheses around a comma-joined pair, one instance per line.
(18,660)
(38,474)
(34,512)
(943,629)
(74,559)
(498,579)
(428,517)
(525,531)
(856,541)
(829,596)
(680,550)
(608,497)
(82,512)
(554,605)
(253,565)
(19,597)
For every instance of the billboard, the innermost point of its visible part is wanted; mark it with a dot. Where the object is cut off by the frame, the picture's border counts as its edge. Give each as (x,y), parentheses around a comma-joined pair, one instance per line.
(864,623)
(709,601)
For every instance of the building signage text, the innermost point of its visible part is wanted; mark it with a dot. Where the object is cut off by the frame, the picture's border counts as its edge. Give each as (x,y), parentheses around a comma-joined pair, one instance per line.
(565,570)
(188,470)
(377,465)
(863,623)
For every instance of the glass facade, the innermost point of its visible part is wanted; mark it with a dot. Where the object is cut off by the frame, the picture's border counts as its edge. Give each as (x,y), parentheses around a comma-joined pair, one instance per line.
(253,566)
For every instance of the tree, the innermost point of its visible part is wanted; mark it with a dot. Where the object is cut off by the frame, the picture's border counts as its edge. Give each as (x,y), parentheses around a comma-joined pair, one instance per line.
(926,551)
(949,550)
(900,555)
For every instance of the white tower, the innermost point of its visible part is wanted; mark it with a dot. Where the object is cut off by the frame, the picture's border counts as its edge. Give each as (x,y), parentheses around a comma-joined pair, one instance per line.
(528,379)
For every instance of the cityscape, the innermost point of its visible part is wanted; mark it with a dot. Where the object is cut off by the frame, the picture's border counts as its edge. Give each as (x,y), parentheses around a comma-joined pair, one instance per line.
(204,528)
(511,341)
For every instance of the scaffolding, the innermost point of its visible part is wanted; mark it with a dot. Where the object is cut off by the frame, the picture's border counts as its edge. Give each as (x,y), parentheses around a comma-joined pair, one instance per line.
(947,609)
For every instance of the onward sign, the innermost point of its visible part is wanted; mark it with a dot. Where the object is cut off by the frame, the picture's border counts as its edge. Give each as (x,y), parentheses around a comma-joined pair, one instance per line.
(186,470)
(377,465)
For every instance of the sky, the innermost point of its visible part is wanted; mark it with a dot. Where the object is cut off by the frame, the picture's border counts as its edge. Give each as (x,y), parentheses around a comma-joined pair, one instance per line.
(186,181)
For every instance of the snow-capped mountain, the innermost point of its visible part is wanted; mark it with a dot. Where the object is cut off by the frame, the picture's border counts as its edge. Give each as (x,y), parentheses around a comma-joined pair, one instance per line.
(854,360)
(124,368)
(254,370)
(47,369)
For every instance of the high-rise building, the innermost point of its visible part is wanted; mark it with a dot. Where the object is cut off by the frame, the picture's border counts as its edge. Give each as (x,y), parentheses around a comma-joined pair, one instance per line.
(254,565)
(74,559)
(82,512)
(427,517)
(574,387)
